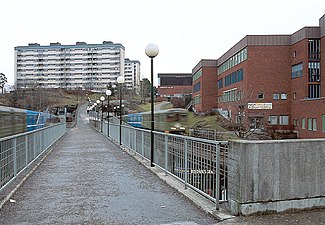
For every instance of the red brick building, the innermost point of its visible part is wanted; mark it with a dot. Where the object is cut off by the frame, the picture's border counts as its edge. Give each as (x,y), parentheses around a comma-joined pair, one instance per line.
(204,85)
(272,81)
(174,85)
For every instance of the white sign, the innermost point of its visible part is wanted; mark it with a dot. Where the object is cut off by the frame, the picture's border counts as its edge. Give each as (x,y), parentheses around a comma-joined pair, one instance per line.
(259,106)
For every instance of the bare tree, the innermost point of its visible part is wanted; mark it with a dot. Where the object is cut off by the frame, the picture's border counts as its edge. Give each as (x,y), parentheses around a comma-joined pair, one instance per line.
(239,121)
(37,99)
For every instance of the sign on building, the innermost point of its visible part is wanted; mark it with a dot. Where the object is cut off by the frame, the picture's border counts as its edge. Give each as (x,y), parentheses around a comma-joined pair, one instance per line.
(259,106)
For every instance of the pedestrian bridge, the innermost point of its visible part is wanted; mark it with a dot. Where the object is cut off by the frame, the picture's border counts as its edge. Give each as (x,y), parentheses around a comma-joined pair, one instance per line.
(84,176)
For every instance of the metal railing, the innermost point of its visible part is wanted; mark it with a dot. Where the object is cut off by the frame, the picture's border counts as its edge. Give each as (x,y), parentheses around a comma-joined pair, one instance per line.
(194,161)
(17,152)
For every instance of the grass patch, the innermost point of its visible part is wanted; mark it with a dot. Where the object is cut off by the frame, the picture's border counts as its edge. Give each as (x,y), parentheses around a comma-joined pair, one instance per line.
(207,122)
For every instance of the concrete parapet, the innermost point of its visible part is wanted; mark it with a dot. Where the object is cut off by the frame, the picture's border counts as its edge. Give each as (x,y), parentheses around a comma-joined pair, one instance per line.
(276,175)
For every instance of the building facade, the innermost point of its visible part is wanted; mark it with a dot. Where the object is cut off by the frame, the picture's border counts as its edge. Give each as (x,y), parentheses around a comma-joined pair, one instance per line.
(132,74)
(273,81)
(204,89)
(80,66)
(174,85)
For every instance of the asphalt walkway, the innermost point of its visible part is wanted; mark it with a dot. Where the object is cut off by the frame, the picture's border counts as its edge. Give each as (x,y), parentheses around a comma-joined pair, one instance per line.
(87,179)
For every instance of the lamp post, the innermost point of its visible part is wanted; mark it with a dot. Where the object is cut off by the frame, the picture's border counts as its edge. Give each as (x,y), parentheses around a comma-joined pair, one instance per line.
(152,51)
(108,93)
(120,81)
(97,115)
(102,99)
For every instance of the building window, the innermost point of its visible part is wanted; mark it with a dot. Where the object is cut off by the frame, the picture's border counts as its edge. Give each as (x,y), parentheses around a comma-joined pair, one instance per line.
(197,100)
(314,71)
(235,77)
(276,96)
(283,120)
(314,91)
(323,123)
(303,123)
(314,49)
(233,61)
(197,75)
(197,87)
(220,83)
(260,96)
(296,122)
(296,70)
(310,123)
(256,122)
(294,54)
(284,96)
(273,120)
(230,96)
(314,124)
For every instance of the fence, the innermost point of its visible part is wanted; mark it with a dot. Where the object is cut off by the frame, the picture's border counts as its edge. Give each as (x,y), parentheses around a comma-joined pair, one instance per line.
(194,161)
(17,152)
(211,134)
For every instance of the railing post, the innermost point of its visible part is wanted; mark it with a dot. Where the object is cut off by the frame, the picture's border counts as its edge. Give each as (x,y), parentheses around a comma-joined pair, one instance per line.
(166,155)
(142,146)
(26,149)
(15,155)
(135,140)
(40,142)
(34,145)
(217,174)
(130,136)
(186,163)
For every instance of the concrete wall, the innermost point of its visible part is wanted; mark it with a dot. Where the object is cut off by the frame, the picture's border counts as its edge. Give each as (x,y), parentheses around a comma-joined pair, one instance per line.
(276,175)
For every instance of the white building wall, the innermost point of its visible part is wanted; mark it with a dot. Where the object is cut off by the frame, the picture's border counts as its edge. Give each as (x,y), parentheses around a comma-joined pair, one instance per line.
(132,74)
(86,66)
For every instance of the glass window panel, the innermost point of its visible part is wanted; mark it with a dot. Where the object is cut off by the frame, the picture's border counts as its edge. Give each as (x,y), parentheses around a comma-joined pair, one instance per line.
(276,96)
(284,120)
(314,124)
(303,123)
(283,96)
(310,123)
(273,120)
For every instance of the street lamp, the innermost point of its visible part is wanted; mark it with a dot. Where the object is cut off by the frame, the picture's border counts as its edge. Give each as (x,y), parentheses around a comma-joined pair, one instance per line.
(97,115)
(102,99)
(108,93)
(120,80)
(152,51)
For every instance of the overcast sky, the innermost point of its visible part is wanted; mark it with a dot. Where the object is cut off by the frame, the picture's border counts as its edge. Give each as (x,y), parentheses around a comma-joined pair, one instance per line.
(185,31)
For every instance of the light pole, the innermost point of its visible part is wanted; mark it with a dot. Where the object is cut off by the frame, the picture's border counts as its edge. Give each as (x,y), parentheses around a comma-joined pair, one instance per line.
(108,93)
(120,80)
(152,51)
(97,116)
(102,99)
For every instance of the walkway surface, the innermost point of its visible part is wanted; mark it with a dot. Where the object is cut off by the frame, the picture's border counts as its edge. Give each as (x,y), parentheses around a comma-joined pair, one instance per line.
(87,179)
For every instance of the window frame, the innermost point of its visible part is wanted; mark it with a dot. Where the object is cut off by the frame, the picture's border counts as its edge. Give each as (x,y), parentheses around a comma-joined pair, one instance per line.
(260,94)
(303,123)
(283,120)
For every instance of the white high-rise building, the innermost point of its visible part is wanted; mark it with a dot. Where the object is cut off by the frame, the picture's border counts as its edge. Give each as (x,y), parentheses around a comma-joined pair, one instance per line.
(132,74)
(80,66)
